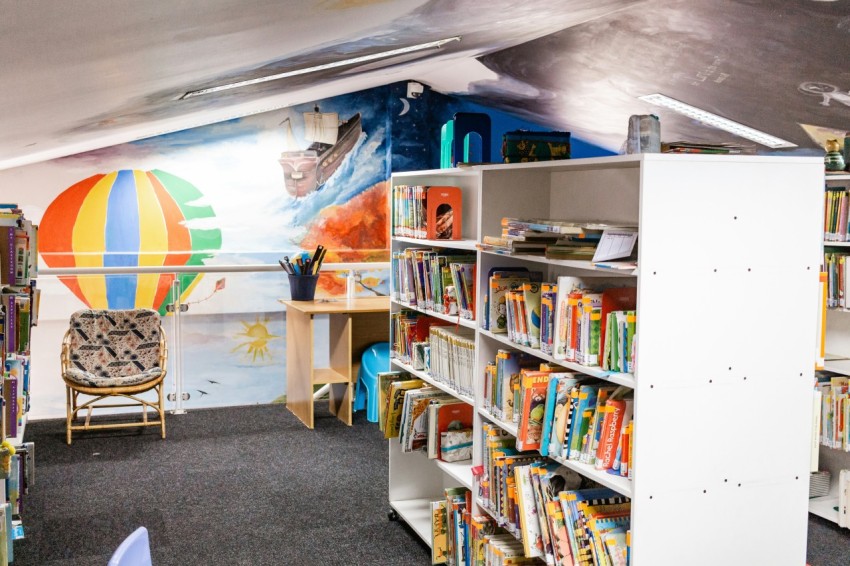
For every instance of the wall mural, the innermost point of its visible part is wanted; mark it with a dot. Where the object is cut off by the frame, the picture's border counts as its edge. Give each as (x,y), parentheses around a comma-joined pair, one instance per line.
(127,218)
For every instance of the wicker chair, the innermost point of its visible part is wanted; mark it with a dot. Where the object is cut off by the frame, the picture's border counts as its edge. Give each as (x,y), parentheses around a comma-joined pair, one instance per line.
(113,353)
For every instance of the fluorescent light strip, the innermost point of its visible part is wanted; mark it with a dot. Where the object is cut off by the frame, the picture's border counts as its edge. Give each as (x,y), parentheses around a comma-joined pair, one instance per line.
(719,122)
(363,59)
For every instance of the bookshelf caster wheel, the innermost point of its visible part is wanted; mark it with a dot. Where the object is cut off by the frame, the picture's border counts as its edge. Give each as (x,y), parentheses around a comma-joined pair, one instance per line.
(393,515)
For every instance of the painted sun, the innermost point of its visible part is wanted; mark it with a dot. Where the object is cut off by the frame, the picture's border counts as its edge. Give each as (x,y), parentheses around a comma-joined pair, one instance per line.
(258,337)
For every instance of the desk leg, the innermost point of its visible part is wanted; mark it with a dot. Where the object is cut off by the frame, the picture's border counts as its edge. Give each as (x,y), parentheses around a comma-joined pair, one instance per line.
(299,365)
(339,342)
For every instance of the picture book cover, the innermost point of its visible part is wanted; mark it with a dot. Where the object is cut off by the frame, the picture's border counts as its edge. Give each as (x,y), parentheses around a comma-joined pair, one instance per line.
(395,403)
(439,532)
(532,538)
(581,419)
(416,433)
(444,213)
(385,378)
(531,298)
(530,430)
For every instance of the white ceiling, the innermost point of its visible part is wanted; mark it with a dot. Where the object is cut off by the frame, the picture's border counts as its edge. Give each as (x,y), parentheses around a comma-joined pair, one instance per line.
(83,74)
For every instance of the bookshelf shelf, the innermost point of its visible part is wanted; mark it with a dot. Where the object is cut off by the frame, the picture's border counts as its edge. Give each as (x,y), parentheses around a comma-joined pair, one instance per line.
(417,514)
(468,245)
(825,507)
(461,471)
(504,425)
(431,381)
(572,264)
(683,257)
(455,319)
(837,244)
(626,379)
(617,483)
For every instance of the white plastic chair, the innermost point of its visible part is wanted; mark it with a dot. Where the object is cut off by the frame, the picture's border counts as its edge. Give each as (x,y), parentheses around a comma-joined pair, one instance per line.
(134,551)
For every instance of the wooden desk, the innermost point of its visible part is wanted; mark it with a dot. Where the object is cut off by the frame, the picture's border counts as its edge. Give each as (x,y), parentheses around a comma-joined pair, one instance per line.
(354,324)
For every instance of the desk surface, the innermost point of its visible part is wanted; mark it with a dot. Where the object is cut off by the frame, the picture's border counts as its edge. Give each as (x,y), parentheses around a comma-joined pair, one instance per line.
(359,304)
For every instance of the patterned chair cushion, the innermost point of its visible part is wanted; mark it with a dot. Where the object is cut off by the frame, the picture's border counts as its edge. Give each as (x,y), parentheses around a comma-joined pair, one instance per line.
(111,348)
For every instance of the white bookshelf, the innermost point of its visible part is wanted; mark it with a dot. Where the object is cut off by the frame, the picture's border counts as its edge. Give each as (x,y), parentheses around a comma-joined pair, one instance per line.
(722,386)
(468,323)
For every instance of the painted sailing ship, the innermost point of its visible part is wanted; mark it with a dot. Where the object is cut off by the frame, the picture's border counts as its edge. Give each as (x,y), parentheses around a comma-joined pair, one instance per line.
(305,171)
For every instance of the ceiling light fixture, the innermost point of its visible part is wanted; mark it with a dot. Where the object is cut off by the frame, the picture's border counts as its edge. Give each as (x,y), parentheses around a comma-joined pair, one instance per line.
(354,61)
(719,122)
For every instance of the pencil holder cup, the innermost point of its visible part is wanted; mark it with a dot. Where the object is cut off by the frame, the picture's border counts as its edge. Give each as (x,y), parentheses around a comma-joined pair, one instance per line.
(302,287)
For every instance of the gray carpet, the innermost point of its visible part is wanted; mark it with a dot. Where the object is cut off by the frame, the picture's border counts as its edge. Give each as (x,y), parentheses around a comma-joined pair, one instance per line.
(239,486)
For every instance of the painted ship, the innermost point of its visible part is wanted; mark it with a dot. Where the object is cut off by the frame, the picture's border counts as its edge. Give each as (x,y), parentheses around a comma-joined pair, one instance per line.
(304,171)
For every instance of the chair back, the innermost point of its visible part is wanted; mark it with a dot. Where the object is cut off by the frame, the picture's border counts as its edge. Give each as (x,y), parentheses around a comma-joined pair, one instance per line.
(114,343)
(134,551)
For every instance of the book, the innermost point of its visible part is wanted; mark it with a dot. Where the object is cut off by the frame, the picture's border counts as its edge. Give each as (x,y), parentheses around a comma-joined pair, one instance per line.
(395,404)
(531,300)
(534,386)
(439,532)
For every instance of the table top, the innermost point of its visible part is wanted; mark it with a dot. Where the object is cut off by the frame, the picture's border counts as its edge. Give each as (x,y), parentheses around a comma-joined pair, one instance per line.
(343,305)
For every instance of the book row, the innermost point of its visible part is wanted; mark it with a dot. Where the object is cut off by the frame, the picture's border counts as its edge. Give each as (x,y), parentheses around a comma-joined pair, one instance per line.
(562,414)
(435,280)
(836,267)
(445,351)
(834,410)
(557,514)
(424,418)
(568,319)
(835,221)
(424,212)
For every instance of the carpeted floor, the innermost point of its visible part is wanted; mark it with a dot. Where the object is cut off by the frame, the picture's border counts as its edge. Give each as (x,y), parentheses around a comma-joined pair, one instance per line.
(239,486)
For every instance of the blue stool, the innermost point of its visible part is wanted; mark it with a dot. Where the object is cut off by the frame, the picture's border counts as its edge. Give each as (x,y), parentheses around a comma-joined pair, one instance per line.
(375,359)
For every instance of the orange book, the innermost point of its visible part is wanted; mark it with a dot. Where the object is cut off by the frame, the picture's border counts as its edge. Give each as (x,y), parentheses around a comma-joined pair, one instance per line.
(530,429)
(609,439)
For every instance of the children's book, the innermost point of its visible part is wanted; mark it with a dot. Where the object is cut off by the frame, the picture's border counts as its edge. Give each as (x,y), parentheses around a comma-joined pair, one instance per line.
(439,533)
(530,430)
(581,419)
(531,303)
(567,285)
(395,403)
(453,416)
(385,378)
(532,539)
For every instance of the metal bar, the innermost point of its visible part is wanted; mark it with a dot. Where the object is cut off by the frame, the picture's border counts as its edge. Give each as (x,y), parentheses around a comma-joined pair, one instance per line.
(178,346)
(265,267)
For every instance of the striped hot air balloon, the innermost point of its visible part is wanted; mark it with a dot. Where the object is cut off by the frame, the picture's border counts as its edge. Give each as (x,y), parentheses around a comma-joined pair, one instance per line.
(127,218)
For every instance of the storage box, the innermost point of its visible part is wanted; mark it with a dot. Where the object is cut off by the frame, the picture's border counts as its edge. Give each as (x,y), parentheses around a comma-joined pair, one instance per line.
(523,145)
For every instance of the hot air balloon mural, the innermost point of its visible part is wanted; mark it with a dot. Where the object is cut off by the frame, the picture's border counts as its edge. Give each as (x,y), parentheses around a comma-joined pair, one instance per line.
(127,218)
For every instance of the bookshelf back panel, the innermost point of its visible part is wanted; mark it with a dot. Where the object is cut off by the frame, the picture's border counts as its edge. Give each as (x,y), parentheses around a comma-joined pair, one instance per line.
(609,195)
(513,193)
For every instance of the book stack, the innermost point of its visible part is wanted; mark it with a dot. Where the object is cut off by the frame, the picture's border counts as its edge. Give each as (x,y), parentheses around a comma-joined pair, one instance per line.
(699,147)
(836,267)
(539,236)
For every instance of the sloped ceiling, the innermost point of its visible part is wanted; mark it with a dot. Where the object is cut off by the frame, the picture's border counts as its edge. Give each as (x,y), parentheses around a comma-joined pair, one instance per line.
(82,75)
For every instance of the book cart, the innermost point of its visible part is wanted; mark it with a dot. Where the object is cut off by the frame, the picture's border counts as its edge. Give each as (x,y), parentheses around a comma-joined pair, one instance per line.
(726,319)
(837,359)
